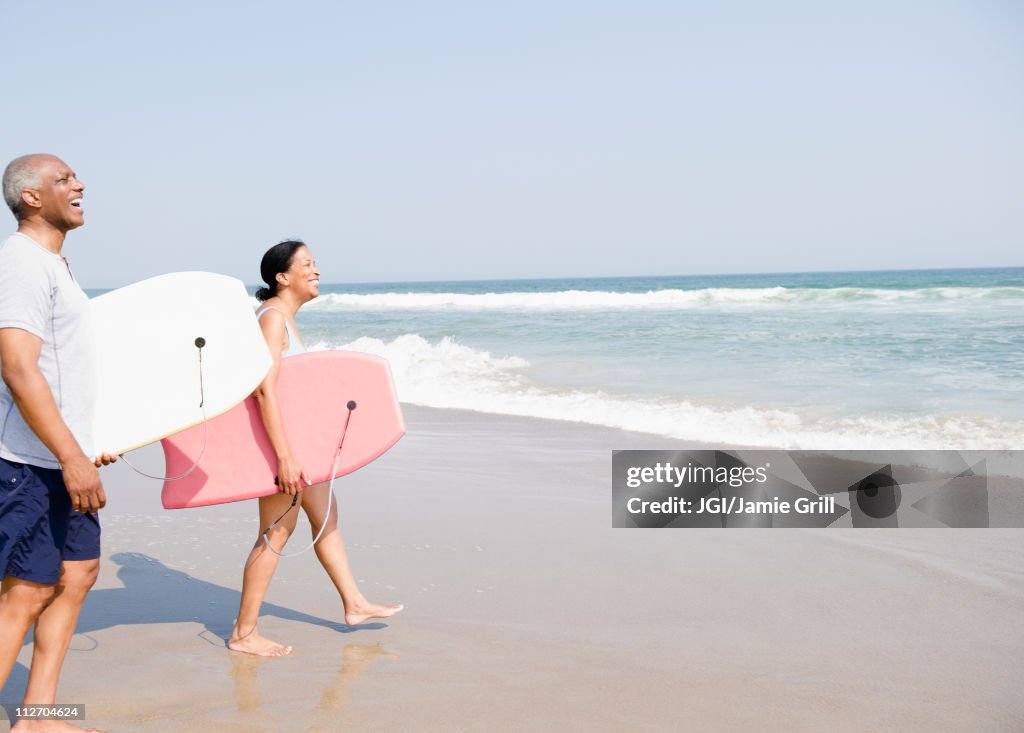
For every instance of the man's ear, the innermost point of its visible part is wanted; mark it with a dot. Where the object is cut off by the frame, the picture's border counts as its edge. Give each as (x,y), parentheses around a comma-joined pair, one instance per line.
(30,198)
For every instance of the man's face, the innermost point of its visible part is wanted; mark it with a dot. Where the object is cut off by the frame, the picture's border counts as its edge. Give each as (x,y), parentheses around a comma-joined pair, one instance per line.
(58,199)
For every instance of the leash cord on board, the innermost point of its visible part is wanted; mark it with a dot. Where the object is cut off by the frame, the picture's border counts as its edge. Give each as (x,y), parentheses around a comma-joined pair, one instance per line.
(200,342)
(330,497)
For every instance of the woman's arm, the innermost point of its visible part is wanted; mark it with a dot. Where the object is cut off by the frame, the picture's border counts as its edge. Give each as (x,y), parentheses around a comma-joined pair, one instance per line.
(290,476)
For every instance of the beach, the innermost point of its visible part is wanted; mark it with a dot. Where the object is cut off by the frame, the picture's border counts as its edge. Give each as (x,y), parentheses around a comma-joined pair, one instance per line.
(525,610)
(706,321)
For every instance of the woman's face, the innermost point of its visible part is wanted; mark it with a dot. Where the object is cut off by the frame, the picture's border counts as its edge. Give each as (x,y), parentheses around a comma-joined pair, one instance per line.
(303,276)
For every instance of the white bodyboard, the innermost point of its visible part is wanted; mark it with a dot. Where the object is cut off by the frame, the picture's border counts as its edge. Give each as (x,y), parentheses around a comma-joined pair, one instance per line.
(148,364)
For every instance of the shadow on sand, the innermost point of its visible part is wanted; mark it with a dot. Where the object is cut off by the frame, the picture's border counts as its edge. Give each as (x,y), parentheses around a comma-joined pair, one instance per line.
(156,594)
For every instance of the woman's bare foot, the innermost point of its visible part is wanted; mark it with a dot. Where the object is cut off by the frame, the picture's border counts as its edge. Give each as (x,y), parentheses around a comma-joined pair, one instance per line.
(364,611)
(253,643)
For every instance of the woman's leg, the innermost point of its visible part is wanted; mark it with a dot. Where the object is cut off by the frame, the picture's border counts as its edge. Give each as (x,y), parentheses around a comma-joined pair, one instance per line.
(330,550)
(259,570)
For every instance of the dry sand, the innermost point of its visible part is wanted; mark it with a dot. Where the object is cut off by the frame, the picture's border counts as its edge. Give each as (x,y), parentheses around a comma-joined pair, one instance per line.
(525,610)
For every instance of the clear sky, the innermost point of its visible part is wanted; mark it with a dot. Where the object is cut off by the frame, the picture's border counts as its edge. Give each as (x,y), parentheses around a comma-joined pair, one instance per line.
(474,140)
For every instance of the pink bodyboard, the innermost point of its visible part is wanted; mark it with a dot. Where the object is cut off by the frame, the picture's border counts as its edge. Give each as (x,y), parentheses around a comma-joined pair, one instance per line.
(314,391)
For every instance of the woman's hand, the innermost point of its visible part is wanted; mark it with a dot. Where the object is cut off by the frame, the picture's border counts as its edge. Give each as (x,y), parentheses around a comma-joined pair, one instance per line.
(290,476)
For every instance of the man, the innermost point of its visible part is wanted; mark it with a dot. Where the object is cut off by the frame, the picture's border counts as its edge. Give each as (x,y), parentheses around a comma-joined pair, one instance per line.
(50,489)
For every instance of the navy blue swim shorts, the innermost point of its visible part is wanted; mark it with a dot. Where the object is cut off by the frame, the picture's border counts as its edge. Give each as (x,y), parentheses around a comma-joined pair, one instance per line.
(38,529)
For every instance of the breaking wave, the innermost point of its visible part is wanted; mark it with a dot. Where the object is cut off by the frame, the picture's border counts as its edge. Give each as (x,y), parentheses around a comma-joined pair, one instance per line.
(448,374)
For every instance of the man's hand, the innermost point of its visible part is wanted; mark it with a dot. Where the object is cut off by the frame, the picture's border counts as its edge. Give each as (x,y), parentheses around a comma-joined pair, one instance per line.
(104,459)
(82,480)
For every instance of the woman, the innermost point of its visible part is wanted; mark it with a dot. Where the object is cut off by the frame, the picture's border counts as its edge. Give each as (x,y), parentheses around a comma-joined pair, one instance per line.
(292,281)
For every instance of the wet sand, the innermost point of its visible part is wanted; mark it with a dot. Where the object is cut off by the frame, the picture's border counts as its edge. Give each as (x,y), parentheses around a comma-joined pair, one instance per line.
(525,610)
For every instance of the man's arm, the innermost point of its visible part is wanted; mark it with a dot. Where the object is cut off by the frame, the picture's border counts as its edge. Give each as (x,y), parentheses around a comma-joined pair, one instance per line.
(19,368)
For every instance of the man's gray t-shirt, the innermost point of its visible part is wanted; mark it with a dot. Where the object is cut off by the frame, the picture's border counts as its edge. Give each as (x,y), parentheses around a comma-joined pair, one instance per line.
(38,294)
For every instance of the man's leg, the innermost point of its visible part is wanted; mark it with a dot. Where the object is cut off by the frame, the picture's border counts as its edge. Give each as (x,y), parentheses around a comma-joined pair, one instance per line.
(29,557)
(56,624)
(21,603)
(55,627)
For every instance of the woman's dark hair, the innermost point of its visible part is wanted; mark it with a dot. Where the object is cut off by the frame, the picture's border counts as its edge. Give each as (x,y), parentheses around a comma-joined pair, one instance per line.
(277,259)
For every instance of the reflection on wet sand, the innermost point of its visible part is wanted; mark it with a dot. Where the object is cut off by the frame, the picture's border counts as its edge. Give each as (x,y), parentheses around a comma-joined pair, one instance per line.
(355,658)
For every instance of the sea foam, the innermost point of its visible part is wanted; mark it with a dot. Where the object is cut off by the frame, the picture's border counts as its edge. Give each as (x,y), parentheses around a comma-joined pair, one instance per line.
(667,299)
(447,374)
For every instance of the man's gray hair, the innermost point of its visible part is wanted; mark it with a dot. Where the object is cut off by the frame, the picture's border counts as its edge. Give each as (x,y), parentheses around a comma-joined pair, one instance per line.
(21,173)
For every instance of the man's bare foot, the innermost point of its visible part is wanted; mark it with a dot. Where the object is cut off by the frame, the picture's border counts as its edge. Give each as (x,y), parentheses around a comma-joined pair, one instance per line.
(49,726)
(363,612)
(253,643)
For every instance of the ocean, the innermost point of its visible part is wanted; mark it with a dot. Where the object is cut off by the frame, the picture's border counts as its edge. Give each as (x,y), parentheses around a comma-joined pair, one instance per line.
(923,359)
